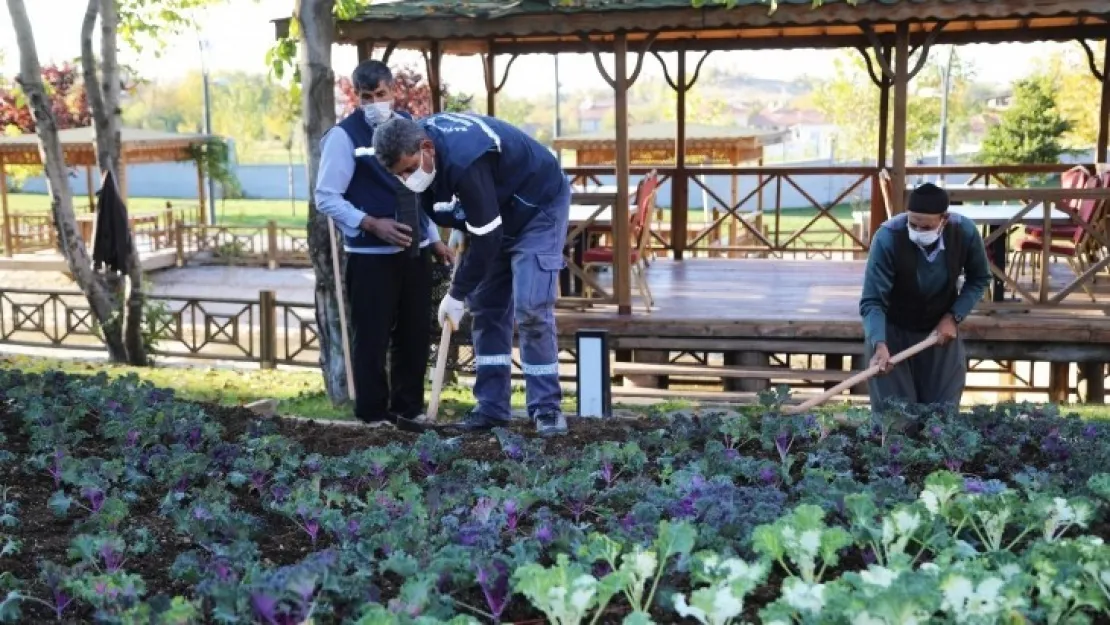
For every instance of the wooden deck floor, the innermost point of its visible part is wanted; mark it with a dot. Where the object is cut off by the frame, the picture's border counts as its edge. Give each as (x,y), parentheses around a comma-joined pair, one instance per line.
(707,301)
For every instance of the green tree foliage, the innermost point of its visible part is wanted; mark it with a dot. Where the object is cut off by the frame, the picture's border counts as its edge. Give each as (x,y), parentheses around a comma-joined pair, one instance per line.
(254,111)
(145,25)
(1031,131)
(1077,93)
(850,101)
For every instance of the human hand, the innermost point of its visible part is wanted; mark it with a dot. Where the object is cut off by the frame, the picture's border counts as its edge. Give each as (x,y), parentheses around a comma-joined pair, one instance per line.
(388,230)
(451,310)
(443,253)
(946,330)
(881,359)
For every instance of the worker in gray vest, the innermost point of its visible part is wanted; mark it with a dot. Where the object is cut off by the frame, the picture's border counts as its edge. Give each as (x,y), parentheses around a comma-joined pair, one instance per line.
(391,245)
(911,289)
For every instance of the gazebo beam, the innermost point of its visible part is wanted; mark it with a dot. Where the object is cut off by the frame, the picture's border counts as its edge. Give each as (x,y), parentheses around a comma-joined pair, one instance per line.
(493,86)
(622,265)
(901,83)
(1104,107)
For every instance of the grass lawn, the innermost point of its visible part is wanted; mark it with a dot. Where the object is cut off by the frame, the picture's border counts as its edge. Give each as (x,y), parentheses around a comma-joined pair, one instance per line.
(301,393)
(256,213)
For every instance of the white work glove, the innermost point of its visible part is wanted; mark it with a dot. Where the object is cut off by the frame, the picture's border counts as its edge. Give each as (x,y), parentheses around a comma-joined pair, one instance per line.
(455,241)
(451,310)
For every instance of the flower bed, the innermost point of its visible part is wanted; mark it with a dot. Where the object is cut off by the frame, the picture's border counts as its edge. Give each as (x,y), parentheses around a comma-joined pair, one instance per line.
(120,504)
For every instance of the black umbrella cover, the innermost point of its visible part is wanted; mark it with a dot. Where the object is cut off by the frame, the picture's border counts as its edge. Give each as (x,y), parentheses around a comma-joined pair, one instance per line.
(112,244)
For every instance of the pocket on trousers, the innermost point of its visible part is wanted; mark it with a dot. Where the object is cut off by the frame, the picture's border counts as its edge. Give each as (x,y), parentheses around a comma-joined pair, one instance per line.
(543,288)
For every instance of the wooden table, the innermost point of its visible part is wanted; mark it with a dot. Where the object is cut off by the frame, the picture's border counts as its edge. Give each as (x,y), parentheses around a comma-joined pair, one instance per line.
(992,217)
(590,206)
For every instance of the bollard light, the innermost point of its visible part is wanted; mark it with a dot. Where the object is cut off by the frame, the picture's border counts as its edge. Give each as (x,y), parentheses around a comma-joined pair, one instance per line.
(595,393)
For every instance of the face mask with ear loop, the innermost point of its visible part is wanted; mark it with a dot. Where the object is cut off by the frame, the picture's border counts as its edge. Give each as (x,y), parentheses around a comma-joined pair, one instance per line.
(925,238)
(419,180)
(377,112)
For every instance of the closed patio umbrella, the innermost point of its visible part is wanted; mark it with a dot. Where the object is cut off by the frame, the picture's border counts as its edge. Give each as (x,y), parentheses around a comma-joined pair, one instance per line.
(112,243)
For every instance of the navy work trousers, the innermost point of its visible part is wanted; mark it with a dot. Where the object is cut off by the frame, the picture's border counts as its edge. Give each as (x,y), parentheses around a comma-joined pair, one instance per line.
(522,286)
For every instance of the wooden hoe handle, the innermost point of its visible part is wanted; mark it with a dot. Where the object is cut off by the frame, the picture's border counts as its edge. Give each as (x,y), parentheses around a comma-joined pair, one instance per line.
(862,376)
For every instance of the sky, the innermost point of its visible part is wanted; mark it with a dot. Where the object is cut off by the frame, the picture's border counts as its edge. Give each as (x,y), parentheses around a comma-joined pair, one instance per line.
(240,32)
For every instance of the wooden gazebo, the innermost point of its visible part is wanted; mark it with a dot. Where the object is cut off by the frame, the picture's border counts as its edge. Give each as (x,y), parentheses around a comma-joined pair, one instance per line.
(79,150)
(654,144)
(895,36)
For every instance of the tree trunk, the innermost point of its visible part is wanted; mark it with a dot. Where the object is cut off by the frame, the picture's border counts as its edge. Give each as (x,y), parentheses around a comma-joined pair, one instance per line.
(92,84)
(109,80)
(101,301)
(104,98)
(317,25)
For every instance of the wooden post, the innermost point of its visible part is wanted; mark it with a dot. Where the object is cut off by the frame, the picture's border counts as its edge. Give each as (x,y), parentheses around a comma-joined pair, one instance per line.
(1104,109)
(901,80)
(747,359)
(4,208)
(435,85)
(1058,382)
(859,363)
(202,214)
(1095,381)
(490,66)
(621,243)
(733,222)
(650,356)
(272,244)
(123,177)
(267,329)
(680,186)
(179,241)
(364,50)
(89,188)
(878,206)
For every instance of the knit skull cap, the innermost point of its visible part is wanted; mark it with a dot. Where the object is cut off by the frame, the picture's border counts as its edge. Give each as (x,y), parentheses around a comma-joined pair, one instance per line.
(928,199)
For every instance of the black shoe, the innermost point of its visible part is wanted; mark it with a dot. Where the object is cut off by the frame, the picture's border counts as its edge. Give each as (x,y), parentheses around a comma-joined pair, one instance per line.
(475,421)
(551,424)
(395,423)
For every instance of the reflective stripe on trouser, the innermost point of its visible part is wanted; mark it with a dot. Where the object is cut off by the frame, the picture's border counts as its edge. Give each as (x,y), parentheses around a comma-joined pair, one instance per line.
(522,283)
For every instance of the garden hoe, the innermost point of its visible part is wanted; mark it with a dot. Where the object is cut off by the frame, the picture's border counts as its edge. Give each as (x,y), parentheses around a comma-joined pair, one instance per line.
(862,376)
(444,347)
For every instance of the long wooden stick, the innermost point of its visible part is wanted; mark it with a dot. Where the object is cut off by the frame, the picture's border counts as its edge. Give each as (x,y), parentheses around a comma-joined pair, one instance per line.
(341,302)
(862,376)
(441,355)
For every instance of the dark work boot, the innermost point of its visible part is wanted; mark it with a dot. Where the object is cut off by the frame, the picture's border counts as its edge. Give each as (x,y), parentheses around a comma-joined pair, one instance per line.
(475,421)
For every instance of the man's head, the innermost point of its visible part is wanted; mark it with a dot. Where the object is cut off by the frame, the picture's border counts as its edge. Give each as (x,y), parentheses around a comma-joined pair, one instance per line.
(403,148)
(373,84)
(926,213)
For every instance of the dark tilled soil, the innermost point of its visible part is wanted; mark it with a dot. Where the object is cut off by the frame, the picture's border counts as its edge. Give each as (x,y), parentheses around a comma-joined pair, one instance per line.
(46,537)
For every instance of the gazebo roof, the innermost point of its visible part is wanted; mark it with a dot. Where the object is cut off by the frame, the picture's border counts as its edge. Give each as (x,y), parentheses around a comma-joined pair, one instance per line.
(140,145)
(654,144)
(545,26)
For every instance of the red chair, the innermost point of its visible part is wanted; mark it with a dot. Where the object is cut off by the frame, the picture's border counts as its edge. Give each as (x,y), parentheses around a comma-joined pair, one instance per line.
(1075,178)
(1083,248)
(640,225)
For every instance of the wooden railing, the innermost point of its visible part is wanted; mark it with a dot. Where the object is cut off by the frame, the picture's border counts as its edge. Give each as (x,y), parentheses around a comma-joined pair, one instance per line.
(776,211)
(265,330)
(152,230)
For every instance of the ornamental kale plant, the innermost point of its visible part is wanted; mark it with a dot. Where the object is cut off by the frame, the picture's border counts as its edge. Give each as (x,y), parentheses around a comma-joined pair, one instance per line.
(121,504)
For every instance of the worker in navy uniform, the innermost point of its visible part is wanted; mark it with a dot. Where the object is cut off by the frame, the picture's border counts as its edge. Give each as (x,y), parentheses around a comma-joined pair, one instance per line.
(911,289)
(391,245)
(513,202)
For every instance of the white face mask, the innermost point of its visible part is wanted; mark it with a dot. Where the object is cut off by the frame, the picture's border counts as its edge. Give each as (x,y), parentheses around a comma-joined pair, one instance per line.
(925,238)
(377,112)
(420,180)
